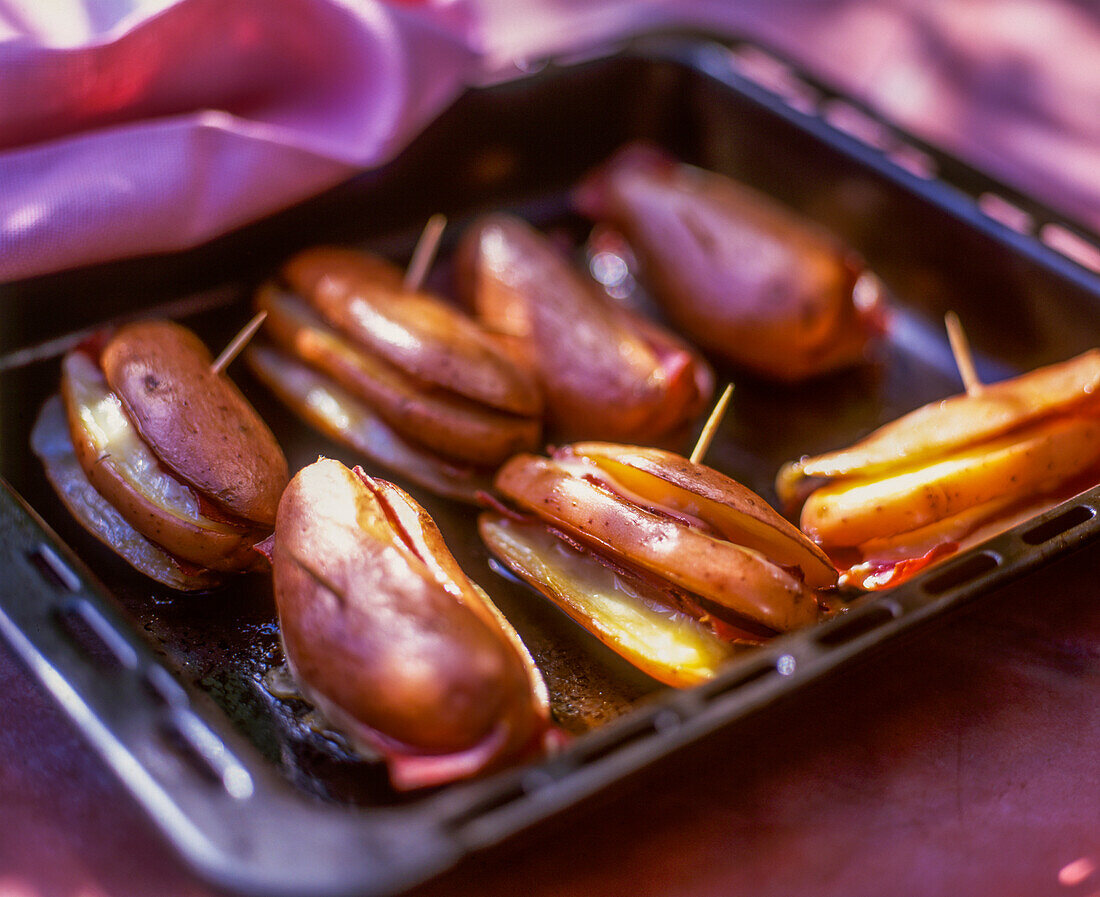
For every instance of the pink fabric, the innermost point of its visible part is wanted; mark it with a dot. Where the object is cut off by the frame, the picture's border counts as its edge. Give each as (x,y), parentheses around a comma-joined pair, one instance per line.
(167,123)
(130,127)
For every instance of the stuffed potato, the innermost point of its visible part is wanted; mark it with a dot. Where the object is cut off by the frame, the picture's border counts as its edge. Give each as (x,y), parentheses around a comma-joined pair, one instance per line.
(165,460)
(670,563)
(401,376)
(952,473)
(738,274)
(387,635)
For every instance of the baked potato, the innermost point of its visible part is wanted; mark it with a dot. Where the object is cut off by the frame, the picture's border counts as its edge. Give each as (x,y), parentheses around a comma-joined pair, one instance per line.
(952,473)
(669,562)
(432,381)
(608,373)
(738,274)
(171,446)
(391,640)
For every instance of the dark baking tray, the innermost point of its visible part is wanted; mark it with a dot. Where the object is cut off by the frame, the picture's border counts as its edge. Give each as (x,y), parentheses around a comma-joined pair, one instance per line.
(179,693)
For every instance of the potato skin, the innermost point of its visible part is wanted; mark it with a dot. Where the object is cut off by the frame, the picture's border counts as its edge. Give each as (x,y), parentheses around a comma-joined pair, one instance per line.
(196,421)
(781,541)
(741,276)
(607,372)
(735,577)
(446,423)
(226,549)
(367,625)
(362,296)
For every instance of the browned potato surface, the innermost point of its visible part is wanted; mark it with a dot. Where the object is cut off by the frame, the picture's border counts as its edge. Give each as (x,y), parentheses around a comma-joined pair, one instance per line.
(672,481)
(196,421)
(738,274)
(375,628)
(362,296)
(607,372)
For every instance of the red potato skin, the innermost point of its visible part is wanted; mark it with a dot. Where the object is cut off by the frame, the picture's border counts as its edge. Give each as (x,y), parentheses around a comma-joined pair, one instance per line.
(443,422)
(607,372)
(711,485)
(671,549)
(741,276)
(363,297)
(224,552)
(197,422)
(366,625)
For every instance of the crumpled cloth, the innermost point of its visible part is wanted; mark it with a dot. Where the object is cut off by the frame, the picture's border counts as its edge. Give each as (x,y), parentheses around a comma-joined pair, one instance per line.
(130,127)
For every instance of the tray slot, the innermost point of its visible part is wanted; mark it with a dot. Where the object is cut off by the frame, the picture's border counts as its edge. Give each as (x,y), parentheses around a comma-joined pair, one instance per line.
(995,206)
(54,570)
(855,123)
(89,631)
(595,750)
(159,683)
(1073,246)
(775,76)
(1063,523)
(207,754)
(857,624)
(963,573)
(723,685)
(913,160)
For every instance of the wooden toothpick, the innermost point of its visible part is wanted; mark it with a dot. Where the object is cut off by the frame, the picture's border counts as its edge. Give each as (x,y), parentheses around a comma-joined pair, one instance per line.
(711,426)
(237,343)
(424,252)
(964,360)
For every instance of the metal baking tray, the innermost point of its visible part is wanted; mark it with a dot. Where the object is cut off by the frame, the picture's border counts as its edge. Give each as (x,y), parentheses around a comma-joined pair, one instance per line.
(181,695)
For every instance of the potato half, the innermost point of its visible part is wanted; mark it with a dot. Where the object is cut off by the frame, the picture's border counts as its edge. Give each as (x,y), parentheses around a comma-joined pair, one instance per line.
(684,541)
(930,482)
(740,275)
(131,477)
(607,372)
(383,630)
(195,420)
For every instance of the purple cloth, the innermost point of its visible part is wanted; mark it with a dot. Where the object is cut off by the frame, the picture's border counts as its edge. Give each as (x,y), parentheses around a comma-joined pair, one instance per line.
(129,128)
